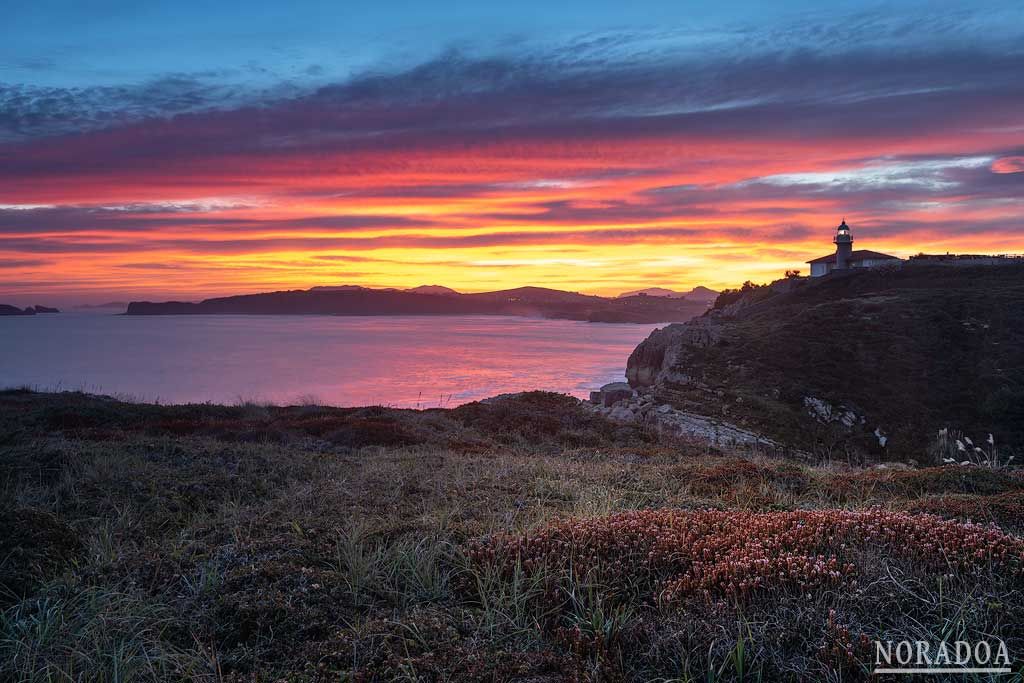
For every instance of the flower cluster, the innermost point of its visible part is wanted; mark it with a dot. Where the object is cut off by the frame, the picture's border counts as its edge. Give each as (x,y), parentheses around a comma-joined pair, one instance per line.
(715,554)
(1005,509)
(744,573)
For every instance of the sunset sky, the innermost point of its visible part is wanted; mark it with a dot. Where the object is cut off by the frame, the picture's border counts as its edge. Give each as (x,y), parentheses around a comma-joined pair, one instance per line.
(188,149)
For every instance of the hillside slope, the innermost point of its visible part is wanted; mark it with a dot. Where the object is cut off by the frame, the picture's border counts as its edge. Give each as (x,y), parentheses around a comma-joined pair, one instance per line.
(822,364)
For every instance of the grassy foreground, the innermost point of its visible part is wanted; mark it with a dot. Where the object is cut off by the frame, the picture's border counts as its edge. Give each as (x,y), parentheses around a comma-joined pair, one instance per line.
(526,539)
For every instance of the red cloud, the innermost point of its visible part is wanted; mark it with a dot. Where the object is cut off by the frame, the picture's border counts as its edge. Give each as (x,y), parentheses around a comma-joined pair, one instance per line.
(1008,165)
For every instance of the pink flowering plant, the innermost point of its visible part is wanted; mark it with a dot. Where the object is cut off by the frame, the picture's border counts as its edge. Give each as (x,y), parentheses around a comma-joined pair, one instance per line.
(743,556)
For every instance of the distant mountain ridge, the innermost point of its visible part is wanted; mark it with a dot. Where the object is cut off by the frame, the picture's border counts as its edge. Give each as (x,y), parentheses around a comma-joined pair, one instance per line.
(422,289)
(701,293)
(435,300)
(698,293)
(439,290)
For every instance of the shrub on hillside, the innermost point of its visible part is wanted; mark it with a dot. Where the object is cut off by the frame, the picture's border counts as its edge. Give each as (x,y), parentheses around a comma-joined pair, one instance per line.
(731,296)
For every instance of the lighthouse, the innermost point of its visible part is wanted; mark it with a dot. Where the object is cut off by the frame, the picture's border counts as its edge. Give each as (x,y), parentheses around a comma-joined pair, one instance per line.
(845,258)
(844,246)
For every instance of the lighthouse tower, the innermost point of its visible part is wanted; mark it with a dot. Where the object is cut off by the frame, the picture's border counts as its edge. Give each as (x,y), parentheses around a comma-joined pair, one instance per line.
(844,246)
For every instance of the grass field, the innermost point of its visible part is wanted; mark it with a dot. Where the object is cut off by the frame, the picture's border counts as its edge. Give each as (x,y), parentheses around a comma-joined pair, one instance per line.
(527,539)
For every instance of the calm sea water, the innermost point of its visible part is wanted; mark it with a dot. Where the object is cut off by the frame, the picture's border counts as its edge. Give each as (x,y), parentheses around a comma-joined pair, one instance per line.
(398,361)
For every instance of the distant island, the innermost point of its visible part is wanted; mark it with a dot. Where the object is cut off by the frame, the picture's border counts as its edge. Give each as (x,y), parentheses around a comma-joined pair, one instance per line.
(439,300)
(7,309)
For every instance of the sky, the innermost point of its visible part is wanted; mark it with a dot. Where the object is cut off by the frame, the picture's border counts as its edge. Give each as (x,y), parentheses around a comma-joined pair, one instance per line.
(180,150)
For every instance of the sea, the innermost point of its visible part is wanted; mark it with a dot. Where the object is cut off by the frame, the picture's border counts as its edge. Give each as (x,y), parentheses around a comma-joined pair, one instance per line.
(397,361)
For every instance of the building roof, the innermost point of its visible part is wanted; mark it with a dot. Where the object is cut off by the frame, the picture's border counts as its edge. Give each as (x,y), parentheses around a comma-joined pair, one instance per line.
(858,255)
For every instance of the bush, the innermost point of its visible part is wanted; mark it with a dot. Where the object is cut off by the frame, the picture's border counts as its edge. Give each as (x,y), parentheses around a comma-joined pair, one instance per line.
(731,296)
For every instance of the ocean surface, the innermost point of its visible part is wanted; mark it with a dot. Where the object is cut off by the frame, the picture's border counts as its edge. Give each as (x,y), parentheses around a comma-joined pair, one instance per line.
(402,361)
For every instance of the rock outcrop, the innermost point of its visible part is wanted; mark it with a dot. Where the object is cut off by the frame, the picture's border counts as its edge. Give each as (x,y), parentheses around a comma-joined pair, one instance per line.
(663,353)
(612,393)
(626,405)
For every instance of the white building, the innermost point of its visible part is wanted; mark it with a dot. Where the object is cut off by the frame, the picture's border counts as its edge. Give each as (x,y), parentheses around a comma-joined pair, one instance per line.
(845,257)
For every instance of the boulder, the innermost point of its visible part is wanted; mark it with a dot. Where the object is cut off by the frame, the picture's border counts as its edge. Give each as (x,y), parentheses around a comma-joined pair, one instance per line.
(614,392)
(622,412)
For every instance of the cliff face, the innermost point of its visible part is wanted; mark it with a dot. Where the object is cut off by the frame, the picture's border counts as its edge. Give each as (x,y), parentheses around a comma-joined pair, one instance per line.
(865,365)
(664,356)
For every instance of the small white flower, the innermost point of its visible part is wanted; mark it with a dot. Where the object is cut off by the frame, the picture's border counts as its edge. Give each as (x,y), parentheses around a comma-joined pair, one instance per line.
(968,440)
(960,445)
(991,441)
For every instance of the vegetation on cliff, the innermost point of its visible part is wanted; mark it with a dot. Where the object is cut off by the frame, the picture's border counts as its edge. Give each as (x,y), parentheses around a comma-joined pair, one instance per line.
(859,365)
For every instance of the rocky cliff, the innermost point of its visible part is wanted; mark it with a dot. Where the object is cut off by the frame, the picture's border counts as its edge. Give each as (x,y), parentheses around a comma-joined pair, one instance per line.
(861,366)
